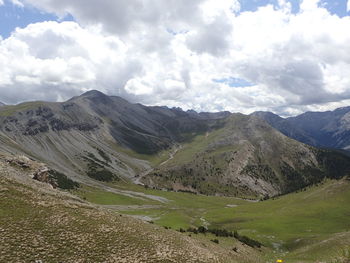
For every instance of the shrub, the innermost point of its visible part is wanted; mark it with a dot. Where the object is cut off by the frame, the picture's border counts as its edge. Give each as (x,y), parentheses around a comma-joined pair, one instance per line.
(246,240)
(215,241)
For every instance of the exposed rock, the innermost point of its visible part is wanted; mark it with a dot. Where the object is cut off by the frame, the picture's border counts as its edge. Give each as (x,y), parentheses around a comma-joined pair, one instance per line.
(20,161)
(43,175)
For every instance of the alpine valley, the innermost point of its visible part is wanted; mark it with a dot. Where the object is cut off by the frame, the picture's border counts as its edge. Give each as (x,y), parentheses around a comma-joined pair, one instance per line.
(99,179)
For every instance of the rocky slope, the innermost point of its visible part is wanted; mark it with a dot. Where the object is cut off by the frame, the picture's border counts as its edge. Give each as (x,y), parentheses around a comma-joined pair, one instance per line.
(326,129)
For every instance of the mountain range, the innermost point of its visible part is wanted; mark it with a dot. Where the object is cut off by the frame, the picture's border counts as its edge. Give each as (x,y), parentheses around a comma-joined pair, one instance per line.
(329,129)
(95,137)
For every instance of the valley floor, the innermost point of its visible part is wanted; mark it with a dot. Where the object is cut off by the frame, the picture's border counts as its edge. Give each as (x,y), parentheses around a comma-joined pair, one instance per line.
(311,225)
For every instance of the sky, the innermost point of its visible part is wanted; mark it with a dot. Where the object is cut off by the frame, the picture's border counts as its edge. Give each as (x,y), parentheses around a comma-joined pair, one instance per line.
(284,56)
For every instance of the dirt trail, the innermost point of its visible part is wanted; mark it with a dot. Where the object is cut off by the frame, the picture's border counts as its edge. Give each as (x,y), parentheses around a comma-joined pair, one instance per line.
(176,148)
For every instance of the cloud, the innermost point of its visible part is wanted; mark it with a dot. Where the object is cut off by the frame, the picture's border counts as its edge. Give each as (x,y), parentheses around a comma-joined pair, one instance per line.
(171,52)
(212,38)
(121,17)
(17,3)
(53,60)
(348,6)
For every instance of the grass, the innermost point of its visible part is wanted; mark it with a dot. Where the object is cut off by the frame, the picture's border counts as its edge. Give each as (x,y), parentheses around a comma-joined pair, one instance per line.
(11,109)
(101,197)
(153,159)
(297,223)
(197,145)
(37,224)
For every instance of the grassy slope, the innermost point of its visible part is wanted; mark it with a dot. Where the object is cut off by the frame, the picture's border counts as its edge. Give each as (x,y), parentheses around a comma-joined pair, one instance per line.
(38,223)
(299,222)
(302,224)
(9,110)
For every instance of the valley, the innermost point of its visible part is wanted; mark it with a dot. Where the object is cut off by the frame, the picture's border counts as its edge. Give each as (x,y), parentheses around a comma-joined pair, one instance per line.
(220,187)
(305,226)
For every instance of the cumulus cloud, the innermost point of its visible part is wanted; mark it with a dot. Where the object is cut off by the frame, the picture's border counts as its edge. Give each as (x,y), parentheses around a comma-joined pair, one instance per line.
(57,60)
(170,52)
(121,17)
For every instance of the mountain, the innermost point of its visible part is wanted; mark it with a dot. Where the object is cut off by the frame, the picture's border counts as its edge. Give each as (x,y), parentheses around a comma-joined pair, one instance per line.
(1,104)
(324,129)
(102,136)
(95,137)
(329,129)
(246,157)
(285,127)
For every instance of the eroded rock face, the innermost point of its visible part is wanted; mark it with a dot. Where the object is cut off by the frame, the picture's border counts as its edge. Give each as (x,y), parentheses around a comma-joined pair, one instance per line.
(43,175)
(43,119)
(40,172)
(37,171)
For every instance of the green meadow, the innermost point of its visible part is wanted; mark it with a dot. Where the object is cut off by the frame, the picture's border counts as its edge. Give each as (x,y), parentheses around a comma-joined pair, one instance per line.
(310,225)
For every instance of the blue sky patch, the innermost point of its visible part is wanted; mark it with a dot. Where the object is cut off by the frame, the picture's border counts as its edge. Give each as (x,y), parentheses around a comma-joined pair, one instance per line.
(234,82)
(12,16)
(253,5)
(335,7)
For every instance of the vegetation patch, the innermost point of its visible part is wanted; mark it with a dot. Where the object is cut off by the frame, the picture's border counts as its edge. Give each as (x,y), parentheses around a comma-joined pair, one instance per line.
(63,181)
(97,171)
(223,233)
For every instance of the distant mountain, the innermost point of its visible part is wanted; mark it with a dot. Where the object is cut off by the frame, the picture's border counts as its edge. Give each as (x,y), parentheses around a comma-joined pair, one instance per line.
(95,137)
(324,129)
(285,127)
(2,104)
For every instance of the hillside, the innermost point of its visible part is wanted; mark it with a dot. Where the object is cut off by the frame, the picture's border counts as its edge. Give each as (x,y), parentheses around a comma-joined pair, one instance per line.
(41,223)
(246,157)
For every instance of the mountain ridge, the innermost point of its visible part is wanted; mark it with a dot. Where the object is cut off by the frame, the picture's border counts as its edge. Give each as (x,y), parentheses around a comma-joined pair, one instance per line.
(329,129)
(96,138)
